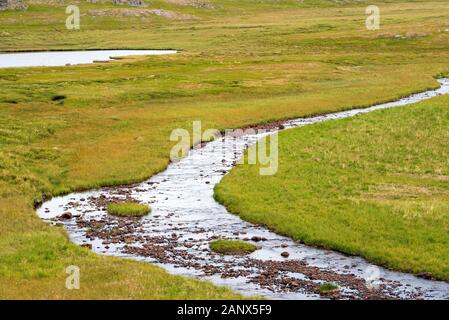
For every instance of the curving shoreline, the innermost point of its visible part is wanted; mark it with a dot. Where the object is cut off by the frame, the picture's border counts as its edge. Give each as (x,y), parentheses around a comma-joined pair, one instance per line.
(186,217)
(69,57)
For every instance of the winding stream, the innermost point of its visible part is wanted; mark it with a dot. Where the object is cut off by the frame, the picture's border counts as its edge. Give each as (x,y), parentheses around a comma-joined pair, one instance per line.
(185,218)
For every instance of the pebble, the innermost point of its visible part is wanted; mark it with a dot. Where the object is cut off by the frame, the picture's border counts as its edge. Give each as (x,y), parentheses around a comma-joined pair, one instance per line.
(66,216)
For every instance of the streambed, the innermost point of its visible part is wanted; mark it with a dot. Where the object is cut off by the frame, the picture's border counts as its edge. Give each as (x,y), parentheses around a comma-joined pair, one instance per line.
(185,218)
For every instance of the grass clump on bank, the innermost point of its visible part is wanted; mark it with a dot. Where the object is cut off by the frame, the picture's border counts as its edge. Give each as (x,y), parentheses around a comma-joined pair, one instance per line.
(375,186)
(232,247)
(128,209)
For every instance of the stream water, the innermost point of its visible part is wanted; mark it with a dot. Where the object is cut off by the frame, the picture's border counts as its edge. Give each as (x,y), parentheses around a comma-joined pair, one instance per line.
(185,218)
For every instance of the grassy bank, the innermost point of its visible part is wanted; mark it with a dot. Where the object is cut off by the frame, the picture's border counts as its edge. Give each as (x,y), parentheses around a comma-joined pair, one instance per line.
(78,127)
(375,186)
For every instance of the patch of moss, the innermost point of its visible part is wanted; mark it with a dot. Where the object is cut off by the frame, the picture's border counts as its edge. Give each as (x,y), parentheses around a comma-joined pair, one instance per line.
(326,288)
(128,209)
(232,247)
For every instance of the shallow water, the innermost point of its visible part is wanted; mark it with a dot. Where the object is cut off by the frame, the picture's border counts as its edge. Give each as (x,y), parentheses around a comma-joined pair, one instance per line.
(62,58)
(185,218)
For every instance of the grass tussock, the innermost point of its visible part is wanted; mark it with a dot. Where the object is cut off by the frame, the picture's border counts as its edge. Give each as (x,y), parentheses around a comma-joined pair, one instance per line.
(327,288)
(232,247)
(128,209)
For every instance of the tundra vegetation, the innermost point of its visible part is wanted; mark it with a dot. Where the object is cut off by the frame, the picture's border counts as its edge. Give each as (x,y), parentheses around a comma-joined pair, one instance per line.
(375,186)
(327,288)
(128,209)
(241,63)
(232,247)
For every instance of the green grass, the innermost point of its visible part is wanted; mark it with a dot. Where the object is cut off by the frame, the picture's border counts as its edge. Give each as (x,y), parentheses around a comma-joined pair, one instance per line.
(326,288)
(128,209)
(232,247)
(374,186)
(243,63)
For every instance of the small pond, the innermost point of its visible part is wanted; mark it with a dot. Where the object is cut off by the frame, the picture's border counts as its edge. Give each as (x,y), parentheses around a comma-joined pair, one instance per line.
(62,58)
